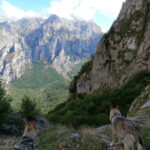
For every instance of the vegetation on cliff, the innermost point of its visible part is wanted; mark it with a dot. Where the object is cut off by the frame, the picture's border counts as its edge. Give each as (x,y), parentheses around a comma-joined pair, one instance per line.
(41,83)
(93,109)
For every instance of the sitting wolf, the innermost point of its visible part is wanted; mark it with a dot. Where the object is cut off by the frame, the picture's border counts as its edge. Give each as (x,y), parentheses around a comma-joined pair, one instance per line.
(126,130)
(27,140)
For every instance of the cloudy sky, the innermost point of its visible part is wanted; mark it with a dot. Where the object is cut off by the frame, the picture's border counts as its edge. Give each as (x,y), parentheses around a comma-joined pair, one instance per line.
(102,12)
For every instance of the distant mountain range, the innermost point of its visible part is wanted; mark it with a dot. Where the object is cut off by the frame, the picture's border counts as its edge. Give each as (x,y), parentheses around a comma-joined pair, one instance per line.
(56,41)
(38,56)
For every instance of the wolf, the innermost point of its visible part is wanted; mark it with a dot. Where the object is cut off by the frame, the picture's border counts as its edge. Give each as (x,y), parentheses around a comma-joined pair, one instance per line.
(125,130)
(27,140)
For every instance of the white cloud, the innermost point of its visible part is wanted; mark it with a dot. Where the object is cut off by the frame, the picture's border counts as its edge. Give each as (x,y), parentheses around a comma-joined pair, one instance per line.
(85,9)
(13,12)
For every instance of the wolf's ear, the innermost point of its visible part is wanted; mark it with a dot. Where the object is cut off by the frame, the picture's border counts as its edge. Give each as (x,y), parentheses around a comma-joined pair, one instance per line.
(33,123)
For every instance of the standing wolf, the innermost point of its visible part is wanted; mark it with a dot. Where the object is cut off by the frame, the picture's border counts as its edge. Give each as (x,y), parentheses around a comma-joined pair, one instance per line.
(125,130)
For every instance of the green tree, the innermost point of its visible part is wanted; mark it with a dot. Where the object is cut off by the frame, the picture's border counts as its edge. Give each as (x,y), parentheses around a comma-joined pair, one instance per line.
(29,109)
(5,107)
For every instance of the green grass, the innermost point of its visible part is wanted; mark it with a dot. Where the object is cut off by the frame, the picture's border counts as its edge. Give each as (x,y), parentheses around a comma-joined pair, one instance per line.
(93,109)
(146,137)
(42,83)
(58,137)
(39,75)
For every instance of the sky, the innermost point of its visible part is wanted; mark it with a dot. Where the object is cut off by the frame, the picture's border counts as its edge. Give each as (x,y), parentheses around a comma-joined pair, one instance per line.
(102,12)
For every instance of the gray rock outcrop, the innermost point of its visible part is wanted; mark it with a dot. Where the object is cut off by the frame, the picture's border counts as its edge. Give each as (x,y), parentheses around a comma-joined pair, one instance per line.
(122,53)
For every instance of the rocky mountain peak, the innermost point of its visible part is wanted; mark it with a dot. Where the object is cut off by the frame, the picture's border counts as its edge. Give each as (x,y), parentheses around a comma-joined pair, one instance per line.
(53,18)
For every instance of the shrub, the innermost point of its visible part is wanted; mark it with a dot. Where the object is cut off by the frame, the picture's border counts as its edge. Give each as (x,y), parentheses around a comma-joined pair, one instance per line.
(5,107)
(87,66)
(93,109)
(29,108)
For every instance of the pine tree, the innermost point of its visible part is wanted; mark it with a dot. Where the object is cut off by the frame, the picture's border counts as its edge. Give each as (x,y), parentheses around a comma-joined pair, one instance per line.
(29,108)
(5,108)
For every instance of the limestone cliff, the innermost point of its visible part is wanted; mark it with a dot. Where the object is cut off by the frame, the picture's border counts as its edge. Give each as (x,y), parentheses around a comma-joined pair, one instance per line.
(123,51)
(56,41)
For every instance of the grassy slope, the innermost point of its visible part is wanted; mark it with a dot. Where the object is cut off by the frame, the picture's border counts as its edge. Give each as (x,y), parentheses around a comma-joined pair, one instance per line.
(42,83)
(93,109)
(58,137)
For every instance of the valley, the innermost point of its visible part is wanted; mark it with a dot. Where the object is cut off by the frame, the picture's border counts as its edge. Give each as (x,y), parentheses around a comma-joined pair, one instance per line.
(42,83)
(39,57)
(81,85)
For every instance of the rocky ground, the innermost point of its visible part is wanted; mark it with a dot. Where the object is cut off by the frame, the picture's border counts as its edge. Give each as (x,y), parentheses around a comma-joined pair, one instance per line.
(62,138)
(55,137)
(8,141)
(65,138)
(10,134)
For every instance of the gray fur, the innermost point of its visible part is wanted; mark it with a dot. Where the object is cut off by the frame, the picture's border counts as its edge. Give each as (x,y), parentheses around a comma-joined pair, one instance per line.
(126,130)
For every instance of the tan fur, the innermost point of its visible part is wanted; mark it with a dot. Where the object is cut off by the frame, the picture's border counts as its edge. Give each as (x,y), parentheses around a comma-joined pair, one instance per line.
(27,140)
(30,129)
(125,130)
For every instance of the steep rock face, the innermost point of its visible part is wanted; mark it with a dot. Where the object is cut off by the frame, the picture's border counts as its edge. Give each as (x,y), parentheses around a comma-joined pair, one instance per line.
(60,42)
(123,51)
(63,43)
(12,55)
(14,52)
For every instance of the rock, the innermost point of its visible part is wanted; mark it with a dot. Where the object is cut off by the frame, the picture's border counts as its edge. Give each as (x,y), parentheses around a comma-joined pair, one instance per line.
(116,147)
(122,52)
(74,140)
(146,105)
(140,108)
(104,128)
(75,137)
(10,129)
(42,123)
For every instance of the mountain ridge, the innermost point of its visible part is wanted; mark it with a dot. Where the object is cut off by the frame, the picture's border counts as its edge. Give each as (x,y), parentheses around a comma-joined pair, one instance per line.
(47,40)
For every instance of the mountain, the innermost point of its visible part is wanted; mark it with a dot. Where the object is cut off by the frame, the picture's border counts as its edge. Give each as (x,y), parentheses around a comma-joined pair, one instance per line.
(63,43)
(13,48)
(39,56)
(122,53)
